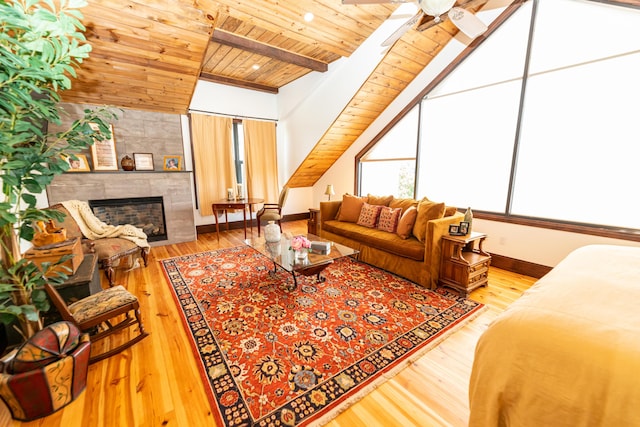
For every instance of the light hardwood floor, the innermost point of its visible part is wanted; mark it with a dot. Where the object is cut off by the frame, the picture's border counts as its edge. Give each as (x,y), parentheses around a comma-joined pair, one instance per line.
(157,383)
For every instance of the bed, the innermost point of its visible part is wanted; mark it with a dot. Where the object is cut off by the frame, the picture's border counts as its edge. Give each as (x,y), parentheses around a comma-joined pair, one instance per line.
(567,353)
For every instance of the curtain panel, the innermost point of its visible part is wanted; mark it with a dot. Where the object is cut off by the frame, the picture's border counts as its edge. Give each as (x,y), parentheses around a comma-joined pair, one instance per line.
(213,157)
(261,160)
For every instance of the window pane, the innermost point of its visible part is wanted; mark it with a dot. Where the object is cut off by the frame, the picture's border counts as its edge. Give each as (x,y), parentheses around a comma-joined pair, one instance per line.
(400,142)
(383,178)
(467,147)
(579,145)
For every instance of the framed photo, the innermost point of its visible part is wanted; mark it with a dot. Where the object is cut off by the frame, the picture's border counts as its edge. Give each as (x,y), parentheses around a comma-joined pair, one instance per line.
(464,228)
(172,163)
(103,153)
(143,161)
(454,229)
(80,164)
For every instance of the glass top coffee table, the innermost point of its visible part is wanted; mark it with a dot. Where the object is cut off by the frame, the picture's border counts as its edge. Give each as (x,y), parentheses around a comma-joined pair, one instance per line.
(313,264)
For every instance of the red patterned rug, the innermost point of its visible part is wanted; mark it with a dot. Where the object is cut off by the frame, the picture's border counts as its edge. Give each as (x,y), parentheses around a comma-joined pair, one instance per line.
(275,356)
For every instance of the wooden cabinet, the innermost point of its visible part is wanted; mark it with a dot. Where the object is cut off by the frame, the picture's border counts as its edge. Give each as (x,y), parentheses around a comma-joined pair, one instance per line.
(465,264)
(312,224)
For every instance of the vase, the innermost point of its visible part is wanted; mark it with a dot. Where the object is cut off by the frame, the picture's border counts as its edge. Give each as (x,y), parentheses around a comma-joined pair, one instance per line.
(127,163)
(468,217)
(302,254)
(272,232)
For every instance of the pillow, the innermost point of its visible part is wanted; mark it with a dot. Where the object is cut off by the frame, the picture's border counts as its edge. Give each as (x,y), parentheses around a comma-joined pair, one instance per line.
(405,225)
(427,211)
(389,218)
(379,200)
(403,204)
(350,208)
(450,210)
(369,215)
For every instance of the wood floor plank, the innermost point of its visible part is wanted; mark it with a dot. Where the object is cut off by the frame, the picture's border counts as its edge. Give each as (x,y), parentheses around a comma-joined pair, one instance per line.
(157,383)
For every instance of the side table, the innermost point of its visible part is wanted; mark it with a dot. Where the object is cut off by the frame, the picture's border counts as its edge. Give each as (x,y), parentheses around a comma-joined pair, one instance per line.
(312,224)
(464,264)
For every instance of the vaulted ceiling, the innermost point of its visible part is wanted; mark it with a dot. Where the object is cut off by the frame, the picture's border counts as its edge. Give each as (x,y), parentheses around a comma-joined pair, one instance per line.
(149,55)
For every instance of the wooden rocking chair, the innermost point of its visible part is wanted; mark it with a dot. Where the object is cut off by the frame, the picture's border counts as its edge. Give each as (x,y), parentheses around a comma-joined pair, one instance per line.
(94,315)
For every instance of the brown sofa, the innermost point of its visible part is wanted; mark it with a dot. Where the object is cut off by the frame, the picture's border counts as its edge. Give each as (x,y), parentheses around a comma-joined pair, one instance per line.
(418,261)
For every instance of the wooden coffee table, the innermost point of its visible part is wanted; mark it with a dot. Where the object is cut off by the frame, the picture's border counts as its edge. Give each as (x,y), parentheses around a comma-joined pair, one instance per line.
(314,264)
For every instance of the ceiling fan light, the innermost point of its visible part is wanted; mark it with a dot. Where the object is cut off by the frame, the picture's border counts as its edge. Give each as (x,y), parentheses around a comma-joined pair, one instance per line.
(436,7)
(467,22)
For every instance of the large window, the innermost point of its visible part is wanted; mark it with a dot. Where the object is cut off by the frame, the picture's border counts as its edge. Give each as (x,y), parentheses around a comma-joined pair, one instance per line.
(551,135)
(390,167)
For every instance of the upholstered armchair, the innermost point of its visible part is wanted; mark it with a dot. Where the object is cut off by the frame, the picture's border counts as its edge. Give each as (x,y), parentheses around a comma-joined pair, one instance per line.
(110,251)
(273,211)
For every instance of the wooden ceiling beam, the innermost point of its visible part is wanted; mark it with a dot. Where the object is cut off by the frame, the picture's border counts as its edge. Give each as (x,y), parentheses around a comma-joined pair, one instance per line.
(263,49)
(238,83)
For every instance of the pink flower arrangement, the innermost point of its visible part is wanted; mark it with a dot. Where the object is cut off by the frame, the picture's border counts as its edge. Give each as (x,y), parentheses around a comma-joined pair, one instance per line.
(300,242)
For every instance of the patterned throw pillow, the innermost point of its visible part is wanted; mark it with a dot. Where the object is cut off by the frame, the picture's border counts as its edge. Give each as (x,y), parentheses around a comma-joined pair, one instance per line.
(369,215)
(389,219)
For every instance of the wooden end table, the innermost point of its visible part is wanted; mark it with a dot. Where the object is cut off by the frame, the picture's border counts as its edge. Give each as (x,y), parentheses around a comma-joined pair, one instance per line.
(464,263)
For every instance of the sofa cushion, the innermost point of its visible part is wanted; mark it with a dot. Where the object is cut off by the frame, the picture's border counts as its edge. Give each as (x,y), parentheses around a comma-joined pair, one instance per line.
(350,208)
(379,200)
(403,204)
(388,242)
(388,219)
(369,215)
(450,210)
(405,225)
(427,211)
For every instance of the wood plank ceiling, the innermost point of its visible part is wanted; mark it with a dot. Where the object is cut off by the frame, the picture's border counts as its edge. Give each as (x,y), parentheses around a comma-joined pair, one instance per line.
(149,55)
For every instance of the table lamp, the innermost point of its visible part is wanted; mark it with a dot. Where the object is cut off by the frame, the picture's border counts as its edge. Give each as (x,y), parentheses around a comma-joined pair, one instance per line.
(329,191)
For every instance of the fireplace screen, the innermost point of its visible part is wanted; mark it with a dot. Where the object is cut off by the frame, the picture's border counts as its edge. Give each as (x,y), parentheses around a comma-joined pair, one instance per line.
(146,213)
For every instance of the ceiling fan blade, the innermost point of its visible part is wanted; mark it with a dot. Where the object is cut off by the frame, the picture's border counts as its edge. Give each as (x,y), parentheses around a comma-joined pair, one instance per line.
(467,22)
(397,34)
(429,21)
(374,1)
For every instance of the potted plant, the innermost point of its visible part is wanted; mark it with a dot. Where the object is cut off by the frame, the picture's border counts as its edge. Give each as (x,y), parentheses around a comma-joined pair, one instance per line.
(40,46)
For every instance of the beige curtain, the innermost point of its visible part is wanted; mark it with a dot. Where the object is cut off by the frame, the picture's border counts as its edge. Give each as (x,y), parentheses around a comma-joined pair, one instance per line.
(213,156)
(261,160)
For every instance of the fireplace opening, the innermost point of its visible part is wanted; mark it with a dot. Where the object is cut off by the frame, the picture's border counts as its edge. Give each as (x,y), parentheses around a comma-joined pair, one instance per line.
(146,213)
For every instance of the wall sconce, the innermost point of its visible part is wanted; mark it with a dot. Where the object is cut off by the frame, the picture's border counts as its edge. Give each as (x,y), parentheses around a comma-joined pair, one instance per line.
(329,191)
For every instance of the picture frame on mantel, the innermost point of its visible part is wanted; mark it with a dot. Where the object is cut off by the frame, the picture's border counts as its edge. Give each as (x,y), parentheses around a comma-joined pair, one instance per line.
(172,163)
(103,153)
(79,164)
(143,161)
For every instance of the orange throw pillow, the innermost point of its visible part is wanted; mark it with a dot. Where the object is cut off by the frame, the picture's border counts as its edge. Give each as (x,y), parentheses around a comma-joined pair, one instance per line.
(379,200)
(350,208)
(427,211)
(405,225)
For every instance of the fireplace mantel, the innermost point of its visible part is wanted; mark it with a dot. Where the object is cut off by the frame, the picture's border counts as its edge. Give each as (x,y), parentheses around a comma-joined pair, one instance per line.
(174,187)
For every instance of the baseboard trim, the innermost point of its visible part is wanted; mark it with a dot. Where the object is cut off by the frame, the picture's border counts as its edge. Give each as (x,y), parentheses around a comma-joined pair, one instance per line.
(234,225)
(519,266)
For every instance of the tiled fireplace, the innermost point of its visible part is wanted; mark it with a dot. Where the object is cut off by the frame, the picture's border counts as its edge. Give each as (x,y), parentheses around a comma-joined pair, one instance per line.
(146,213)
(173,189)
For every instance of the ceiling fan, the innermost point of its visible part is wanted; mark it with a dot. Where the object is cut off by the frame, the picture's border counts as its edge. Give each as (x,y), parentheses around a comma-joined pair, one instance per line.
(432,12)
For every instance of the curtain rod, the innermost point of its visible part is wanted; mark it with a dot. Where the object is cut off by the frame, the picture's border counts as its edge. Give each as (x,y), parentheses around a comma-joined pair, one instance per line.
(233,116)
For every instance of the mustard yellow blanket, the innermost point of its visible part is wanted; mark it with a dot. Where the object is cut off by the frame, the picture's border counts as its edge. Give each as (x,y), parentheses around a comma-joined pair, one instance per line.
(92,228)
(567,353)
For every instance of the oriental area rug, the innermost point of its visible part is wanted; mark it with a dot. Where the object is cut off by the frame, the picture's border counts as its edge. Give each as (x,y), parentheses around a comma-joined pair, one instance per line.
(271,355)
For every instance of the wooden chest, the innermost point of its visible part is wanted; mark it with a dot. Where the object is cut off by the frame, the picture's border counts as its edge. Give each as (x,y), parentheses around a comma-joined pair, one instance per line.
(53,253)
